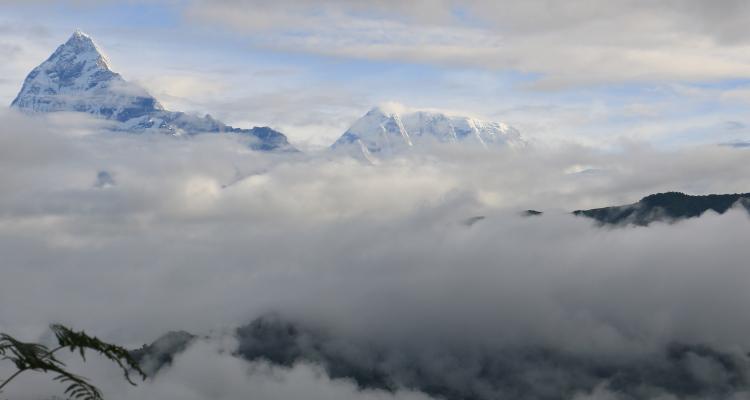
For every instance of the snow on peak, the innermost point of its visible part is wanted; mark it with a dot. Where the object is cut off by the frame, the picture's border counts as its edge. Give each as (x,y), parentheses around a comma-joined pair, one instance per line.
(391,127)
(83,47)
(77,77)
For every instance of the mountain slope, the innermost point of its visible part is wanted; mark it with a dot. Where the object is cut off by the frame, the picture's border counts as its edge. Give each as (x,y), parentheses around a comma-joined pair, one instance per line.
(152,357)
(385,131)
(77,77)
(501,372)
(670,206)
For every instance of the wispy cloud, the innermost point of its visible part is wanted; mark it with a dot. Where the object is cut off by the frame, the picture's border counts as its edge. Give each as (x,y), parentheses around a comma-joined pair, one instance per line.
(571,43)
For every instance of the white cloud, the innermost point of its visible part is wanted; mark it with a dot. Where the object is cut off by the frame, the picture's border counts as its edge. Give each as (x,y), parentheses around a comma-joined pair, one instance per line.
(570,43)
(232,378)
(208,370)
(179,242)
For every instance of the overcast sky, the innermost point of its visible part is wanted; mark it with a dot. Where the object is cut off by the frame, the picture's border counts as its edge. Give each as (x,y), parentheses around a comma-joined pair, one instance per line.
(601,73)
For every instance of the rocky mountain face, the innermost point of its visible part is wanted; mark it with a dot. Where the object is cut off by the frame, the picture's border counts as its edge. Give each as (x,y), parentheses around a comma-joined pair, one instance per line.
(77,77)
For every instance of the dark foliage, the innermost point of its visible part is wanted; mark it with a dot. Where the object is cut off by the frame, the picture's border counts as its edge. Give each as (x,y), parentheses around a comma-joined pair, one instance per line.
(39,358)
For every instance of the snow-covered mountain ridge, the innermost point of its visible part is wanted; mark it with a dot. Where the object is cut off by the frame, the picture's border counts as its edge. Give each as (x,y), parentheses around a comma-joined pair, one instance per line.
(77,77)
(385,130)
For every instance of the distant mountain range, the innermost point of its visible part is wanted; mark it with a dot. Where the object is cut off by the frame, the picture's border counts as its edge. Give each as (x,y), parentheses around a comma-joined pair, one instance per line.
(77,77)
(670,207)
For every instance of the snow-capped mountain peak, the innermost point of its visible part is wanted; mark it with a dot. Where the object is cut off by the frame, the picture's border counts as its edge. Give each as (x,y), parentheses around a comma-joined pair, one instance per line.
(78,77)
(388,129)
(380,126)
(84,47)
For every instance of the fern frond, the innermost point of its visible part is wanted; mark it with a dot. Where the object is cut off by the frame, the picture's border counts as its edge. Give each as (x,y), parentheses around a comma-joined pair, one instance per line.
(80,341)
(37,357)
(27,355)
(78,387)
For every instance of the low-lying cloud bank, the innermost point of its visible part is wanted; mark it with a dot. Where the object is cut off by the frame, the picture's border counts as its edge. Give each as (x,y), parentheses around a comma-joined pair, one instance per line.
(373,266)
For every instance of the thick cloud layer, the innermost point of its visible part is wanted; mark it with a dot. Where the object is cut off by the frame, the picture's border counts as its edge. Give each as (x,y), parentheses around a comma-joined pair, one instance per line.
(129,237)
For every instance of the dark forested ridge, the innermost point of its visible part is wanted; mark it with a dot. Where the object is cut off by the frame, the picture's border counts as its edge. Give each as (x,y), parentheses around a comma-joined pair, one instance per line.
(496,372)
(670,206)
